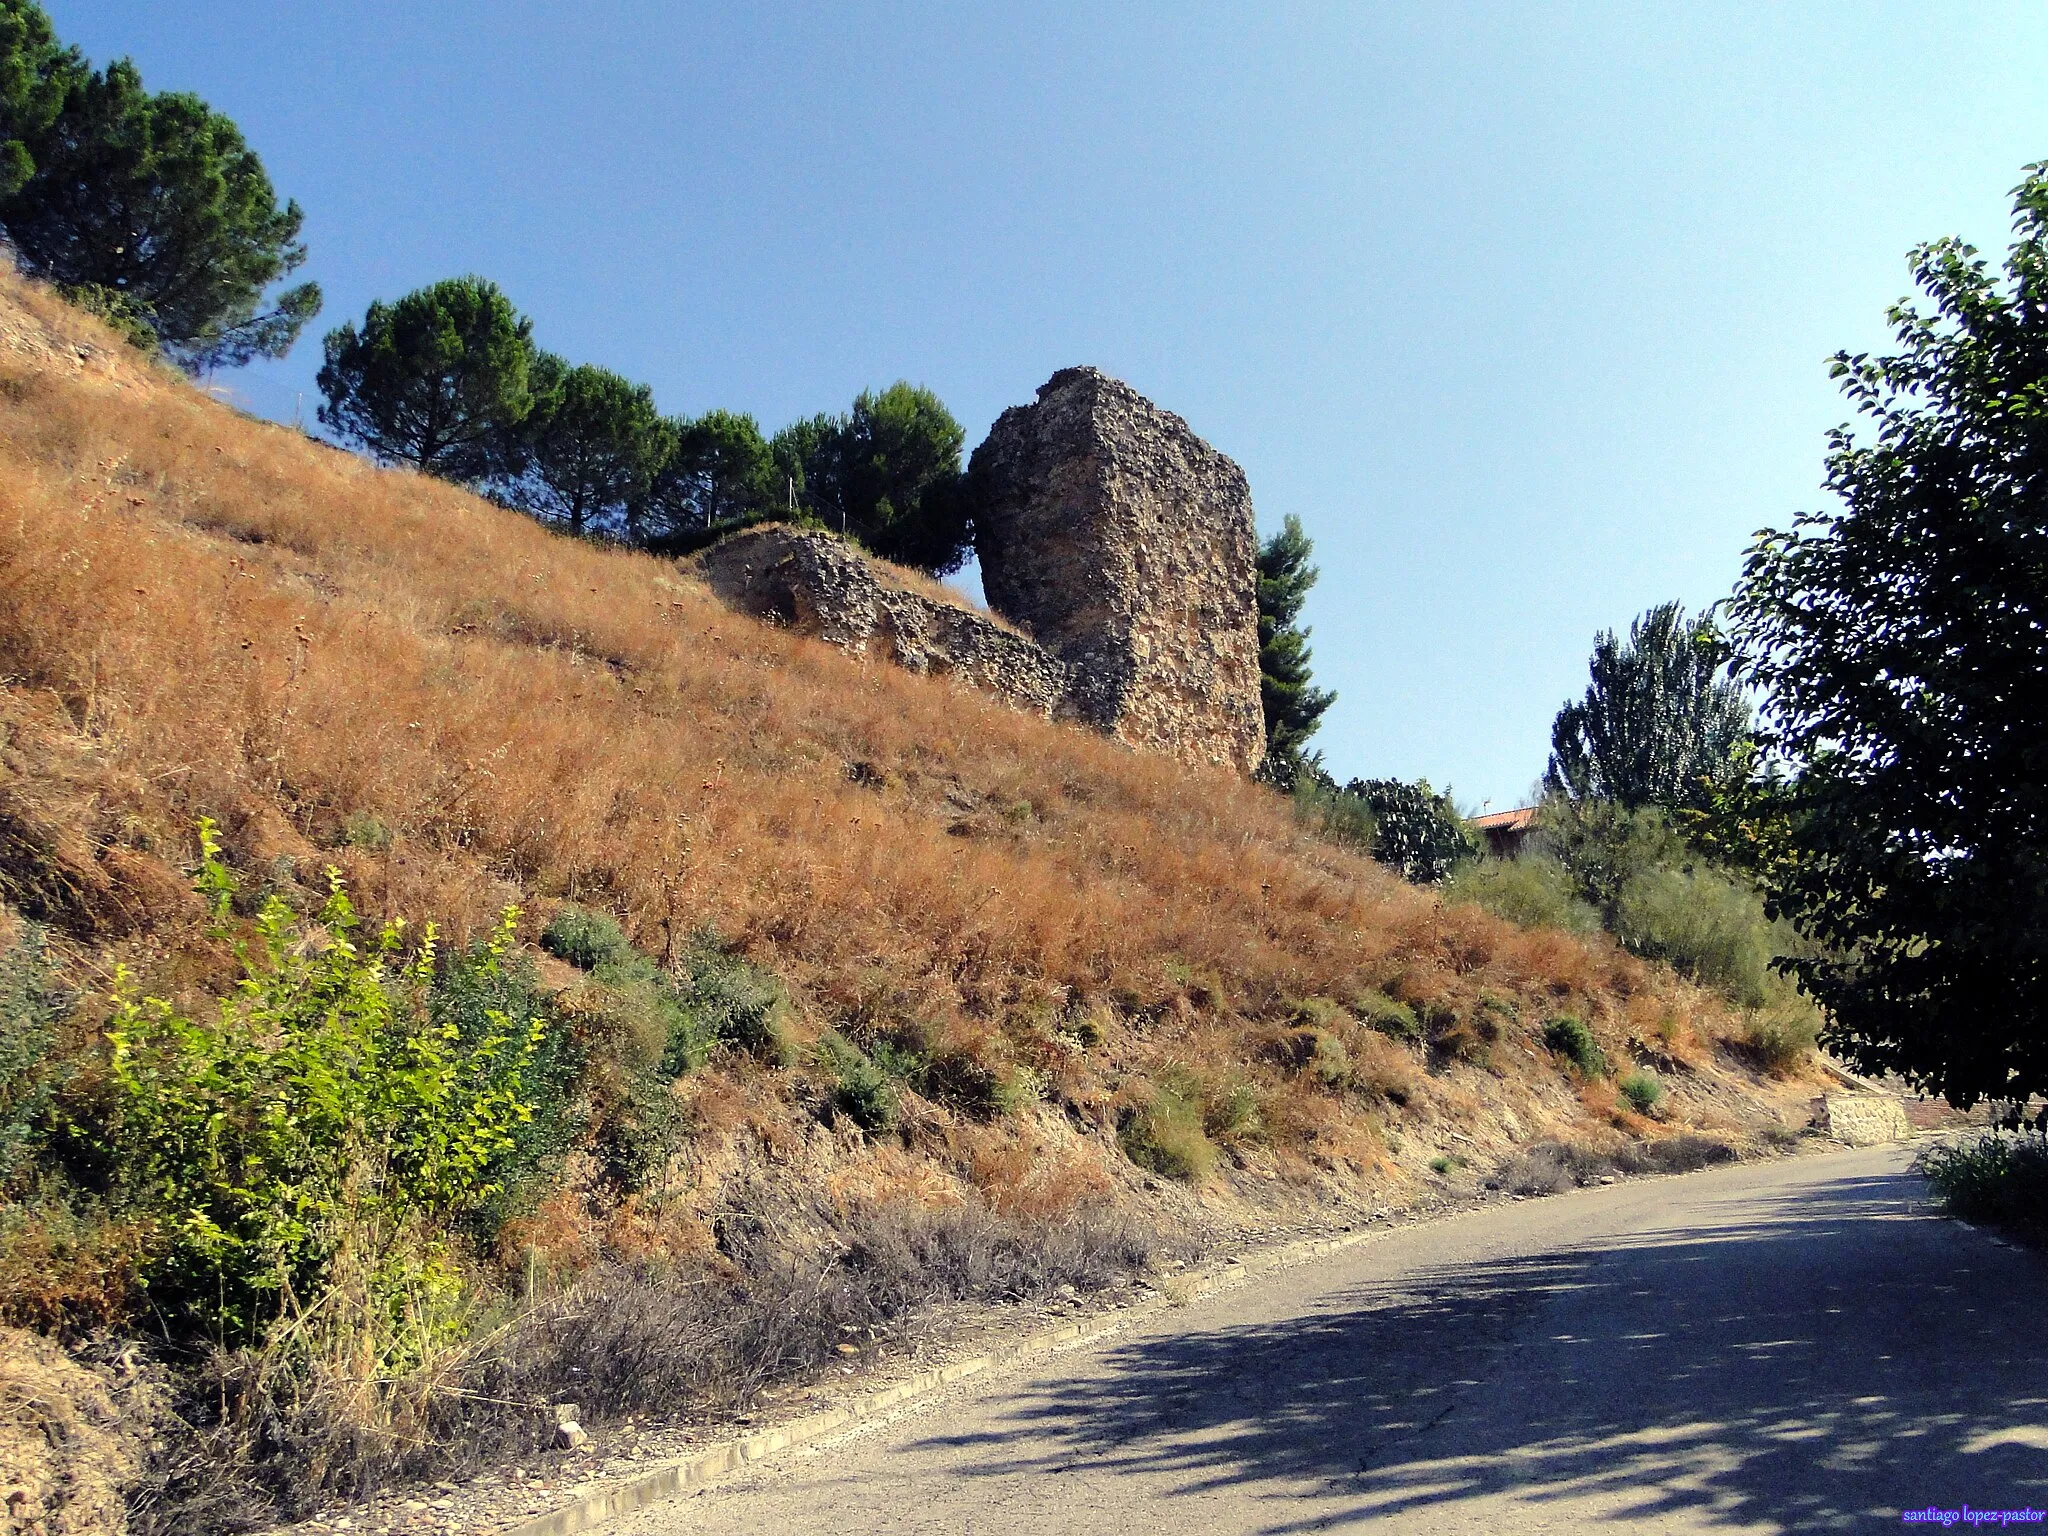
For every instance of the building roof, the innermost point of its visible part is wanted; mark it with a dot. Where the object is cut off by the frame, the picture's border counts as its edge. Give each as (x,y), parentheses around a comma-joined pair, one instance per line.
(1507,821)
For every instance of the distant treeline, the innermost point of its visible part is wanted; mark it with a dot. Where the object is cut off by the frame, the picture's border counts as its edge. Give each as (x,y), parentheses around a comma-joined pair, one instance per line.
(448,380)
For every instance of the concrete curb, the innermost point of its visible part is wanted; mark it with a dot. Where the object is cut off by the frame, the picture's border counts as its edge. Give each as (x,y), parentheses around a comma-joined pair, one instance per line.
(721,1461)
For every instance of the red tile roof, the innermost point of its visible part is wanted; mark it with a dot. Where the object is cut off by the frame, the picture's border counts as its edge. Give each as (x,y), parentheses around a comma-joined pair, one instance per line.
(1507,821)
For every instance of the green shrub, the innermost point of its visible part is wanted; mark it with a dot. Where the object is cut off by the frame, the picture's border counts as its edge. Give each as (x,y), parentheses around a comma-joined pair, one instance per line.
(719,997)
(123,312)
(962,1080)
(1448,1163)
(364,831)
(584,938)
(1329,1059)
(1705,925)
(320,1121)
(472,991)
(1532,891)
(1996,1177)
(863,1087)
(1165,1135)
(1604,845)
(1390,1017)
(737,1002)
(1643,1090)
(29,1075)
(1334,815)
(1570,1038)
(1230,1109)
(1419,832)
(1785,1030)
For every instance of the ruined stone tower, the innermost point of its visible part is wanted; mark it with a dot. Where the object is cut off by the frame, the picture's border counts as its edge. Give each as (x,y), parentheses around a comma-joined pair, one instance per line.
(1124,544)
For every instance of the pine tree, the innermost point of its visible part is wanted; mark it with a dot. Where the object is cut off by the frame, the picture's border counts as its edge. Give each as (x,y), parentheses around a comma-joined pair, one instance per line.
(1294,707)
(149,208)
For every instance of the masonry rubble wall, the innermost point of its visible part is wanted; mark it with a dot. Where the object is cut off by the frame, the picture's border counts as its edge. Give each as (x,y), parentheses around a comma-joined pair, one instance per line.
(1125,545)
(1115,538)
(1863,1119)
(817,585)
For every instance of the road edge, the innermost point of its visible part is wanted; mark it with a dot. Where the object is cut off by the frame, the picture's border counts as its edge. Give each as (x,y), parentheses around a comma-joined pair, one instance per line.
(705,1468)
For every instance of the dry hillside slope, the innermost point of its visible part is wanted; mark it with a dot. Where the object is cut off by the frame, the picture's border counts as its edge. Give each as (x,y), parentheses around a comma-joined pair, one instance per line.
(203,614)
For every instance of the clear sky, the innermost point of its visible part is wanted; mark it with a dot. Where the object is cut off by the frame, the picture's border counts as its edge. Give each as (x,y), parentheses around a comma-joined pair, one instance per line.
(1523,309)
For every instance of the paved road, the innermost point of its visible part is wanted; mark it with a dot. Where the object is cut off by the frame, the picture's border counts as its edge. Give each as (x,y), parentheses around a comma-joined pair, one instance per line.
(1794,1346)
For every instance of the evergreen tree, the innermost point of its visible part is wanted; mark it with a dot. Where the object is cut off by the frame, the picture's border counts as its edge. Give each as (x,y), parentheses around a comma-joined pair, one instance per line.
(718,470)
(35,72)
(1293,706)
(588,448)
(1659,719)
(441,379)
(887,475)
(149,207)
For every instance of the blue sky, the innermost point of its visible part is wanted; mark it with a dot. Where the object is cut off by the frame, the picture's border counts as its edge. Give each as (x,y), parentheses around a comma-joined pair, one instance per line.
(1523,309)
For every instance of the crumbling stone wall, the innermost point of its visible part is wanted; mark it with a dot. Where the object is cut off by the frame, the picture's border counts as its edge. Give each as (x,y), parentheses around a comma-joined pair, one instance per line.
(817,585)
(1124,544)
(1119,541)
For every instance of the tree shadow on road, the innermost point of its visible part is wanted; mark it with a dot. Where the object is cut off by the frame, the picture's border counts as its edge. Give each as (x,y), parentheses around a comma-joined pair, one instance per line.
(1810,1363)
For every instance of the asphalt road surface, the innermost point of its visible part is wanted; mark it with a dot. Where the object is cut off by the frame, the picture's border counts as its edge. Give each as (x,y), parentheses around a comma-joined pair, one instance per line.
(1792,1346)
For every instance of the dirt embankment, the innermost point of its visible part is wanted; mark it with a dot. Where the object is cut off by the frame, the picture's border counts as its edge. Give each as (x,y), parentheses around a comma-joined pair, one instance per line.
(1034,982)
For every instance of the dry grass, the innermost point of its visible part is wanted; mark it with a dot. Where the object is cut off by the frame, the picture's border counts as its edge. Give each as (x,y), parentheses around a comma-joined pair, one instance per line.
(205,614)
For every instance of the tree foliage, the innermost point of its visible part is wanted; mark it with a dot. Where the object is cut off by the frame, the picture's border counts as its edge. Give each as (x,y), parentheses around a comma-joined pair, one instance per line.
(588,449)
(716,471)
(448,380)
(319,1119)
(1293,706)
(441,379)
(888,475)
(1901,643)
(1659,719)
(155,199)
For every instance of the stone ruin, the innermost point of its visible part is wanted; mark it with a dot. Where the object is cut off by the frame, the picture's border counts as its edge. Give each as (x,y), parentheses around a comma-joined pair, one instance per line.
(1119,542)
(818,585)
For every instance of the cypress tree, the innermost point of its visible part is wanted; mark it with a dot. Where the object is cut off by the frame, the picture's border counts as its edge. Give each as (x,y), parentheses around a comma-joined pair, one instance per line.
(1294,706)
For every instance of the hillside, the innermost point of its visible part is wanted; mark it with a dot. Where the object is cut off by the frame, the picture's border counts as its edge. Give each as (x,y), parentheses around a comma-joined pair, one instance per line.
(1133,996)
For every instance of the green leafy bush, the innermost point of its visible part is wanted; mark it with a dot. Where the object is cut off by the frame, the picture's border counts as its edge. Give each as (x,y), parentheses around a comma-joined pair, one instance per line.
(362,830)
(1997,1177)
(1532,891)
(1165,1135)
(1705,925)
(29,1073)
(1389,1016)
(1786,1028)
(864,1087)
(124,313)
(1419,832)
(1604,845)
(320,1129)
(1570,1038)
(738,1002)
(584,938)
(1229,1105)
(719,997)
(1643,1090)
(1333,814)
